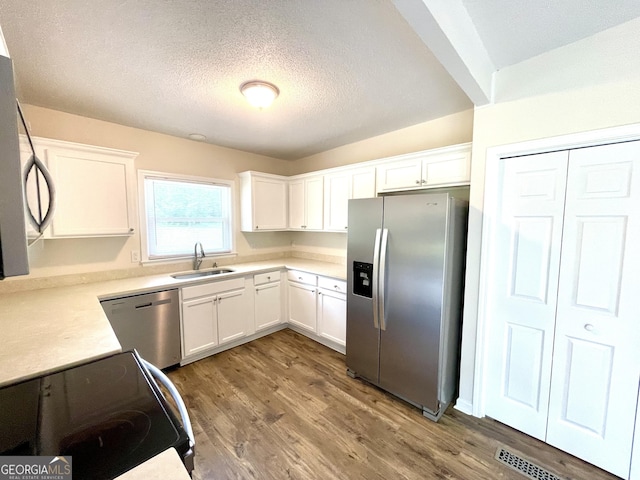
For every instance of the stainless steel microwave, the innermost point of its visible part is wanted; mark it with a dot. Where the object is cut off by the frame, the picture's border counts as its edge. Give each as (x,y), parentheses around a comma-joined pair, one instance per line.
(14,259)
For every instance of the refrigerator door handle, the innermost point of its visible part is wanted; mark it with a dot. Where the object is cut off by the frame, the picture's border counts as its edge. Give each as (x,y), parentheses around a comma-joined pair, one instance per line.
(383,273)
(374,286)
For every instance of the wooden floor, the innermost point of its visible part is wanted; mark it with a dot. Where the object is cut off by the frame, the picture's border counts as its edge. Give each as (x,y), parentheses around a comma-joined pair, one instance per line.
(283,407)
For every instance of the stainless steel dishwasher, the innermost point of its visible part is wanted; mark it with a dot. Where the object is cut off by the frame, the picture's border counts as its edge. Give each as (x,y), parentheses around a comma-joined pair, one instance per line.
(150,323)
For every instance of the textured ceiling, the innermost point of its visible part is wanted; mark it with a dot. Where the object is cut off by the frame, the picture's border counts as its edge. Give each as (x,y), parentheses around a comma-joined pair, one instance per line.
(347,69)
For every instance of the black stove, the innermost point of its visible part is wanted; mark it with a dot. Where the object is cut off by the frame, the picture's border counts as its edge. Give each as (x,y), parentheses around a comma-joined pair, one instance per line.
(109,415)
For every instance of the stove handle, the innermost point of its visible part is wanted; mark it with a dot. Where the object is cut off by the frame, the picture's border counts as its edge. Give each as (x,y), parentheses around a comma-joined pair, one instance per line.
(162,378)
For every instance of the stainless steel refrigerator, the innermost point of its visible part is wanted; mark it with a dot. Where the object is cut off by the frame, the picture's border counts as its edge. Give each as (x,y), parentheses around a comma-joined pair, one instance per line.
(405,259)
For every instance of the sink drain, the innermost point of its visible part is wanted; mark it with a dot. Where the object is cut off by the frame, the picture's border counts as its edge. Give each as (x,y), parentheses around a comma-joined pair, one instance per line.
(524,466)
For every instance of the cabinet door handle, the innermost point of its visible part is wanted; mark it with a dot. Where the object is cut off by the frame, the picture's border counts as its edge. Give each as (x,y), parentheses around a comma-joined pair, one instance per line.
(588,327)
(131,230)
(257,227)
(268,278)
(417,182)
(319,293)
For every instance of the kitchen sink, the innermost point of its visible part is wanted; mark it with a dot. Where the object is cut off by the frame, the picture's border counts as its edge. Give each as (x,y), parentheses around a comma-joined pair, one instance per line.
(204,273)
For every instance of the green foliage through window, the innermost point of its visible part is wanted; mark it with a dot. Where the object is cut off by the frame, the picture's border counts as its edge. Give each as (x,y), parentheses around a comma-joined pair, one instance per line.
(180,213)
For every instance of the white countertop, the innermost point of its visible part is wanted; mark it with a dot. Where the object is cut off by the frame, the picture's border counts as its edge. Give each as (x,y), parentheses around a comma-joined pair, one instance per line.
(165,465)
(54,328)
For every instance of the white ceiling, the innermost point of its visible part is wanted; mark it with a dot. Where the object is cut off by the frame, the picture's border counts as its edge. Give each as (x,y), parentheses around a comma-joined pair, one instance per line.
(513,31)
(346,69)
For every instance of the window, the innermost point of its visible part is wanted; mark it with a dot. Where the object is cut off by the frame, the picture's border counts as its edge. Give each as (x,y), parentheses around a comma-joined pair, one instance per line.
(180,211)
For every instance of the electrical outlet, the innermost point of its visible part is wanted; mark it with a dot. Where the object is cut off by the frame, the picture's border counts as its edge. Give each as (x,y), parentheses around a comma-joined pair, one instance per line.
(135,256)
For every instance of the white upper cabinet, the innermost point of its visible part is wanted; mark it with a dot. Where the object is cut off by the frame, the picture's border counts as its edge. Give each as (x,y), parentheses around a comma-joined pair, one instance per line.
(336,196)
(363,183)
(441,167)
(339,188)
(318,200)
(263,201)
(94,188)
(399,175)
(306,196)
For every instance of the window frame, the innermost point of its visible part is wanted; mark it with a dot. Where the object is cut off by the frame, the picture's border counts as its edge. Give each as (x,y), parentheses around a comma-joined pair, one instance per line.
(142,207)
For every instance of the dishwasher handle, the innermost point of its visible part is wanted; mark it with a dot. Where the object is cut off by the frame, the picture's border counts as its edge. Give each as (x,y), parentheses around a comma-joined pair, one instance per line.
(136,302)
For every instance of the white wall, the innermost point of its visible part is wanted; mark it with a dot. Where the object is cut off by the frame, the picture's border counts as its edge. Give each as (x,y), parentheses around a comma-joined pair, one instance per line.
(588,85)
(176,155)
(441,132)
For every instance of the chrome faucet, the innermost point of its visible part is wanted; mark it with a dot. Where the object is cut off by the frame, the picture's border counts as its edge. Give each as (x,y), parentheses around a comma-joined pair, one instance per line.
(197,259)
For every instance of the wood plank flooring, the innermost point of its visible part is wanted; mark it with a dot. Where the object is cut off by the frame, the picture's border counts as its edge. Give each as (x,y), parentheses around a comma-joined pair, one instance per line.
(282,407)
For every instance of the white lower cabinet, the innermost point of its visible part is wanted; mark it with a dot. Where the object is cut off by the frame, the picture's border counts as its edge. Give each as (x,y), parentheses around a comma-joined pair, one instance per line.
(302,300)
(317,305)
(213,314)
(232,316)
(199,325)
(332,310)
(222,314)
(268,300)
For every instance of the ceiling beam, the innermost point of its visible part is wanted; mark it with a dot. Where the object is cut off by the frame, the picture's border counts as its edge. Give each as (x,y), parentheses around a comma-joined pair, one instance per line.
(447,30)
(3,45)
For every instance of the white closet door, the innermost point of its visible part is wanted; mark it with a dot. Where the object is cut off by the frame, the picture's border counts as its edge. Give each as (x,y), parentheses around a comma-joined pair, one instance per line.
(596,365)
(523,288)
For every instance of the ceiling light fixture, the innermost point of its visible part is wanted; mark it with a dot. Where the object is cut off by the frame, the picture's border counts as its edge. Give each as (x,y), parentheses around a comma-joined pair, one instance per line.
(259,94)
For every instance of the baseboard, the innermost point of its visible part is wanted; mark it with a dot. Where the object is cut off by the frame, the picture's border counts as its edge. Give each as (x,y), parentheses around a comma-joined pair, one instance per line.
(317,338)
(464,406)
(235,343)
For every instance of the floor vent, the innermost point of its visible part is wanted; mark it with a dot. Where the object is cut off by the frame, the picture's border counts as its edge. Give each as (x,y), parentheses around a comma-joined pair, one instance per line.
(524,466)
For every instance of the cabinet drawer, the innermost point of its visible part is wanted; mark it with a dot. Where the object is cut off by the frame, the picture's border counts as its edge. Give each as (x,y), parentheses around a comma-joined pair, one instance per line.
(268,277)
(332,284)
(301,277)
(211,288)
